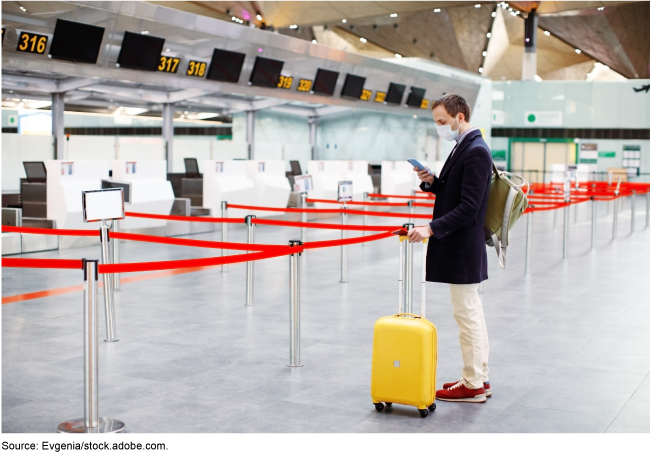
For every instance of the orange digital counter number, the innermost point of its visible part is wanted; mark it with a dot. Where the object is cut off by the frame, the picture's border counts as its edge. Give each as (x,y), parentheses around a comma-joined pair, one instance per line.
(424,104)
(380,96)
(366,95)
(168,64)
(285,82)
(32,43)
(304,85)
(196,68)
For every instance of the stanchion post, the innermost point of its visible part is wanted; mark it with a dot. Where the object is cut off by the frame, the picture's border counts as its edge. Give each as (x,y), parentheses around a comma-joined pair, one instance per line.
(365,208)
(401,275)
(410,205)
(615,224)
(224,233)
(480,288)
(249,265)
(294,306)
(109,308)
(344,250)
(529,241)
(647,209)
(594,214)
(303,204)
(565,239)
(91,422)
(117,281)
(633,209)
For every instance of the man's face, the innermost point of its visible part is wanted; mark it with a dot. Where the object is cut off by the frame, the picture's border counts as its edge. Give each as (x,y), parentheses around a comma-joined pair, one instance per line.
(442,117)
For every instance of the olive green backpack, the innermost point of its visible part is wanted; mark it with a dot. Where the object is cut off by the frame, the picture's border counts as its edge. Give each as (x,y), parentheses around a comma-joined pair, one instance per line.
(506,203)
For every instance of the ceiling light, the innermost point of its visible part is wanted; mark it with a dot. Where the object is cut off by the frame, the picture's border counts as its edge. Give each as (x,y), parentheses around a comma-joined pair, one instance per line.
(601,8)
(259,17)
(234,18)
(314,41)
(145,32)
(547,33)
(363,40)
(344,21)
(489,35)
(167,50)
(513,14)
(494,14)
(480,70)
(578,51)
(510,9)
(24,10)
(478,5)
(485,53)
(517,13)
(398,56)
(437,10)
(415,116)
(294,26)
(393,15)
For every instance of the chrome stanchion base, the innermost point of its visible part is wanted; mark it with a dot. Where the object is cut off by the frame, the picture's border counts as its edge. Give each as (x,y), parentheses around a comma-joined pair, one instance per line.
(299,365)
(105,426)
(111,340)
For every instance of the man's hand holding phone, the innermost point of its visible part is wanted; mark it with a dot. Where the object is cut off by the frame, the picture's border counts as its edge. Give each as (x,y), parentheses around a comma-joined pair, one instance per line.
(424,175)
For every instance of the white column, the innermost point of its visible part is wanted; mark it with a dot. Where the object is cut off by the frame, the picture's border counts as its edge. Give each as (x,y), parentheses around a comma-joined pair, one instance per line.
(250,133)
(58,131)
(529,64)
(168,134)
(312,136)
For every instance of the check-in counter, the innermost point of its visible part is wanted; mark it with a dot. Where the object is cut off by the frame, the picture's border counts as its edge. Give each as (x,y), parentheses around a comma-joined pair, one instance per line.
(227,181)
(357,173)
(325,178)
(151,192)
(398,177)
(272,188)
(65,182)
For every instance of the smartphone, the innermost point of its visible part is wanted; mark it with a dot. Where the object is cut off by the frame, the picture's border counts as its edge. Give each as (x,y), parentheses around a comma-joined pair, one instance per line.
(415,163)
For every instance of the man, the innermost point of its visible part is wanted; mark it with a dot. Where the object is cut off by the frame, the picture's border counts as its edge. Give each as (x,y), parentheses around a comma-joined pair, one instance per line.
(456,252)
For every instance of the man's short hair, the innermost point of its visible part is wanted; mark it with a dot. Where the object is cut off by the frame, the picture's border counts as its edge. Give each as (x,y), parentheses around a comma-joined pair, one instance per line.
(454,105)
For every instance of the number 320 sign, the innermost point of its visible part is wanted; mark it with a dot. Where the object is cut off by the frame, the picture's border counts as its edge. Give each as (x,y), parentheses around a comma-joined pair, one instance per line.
(32,43)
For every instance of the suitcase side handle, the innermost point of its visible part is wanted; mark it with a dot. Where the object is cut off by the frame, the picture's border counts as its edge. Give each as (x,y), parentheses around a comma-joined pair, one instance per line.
(405,314)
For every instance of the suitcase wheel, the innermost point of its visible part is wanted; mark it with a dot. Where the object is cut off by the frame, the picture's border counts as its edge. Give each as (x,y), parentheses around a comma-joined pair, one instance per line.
(379,407)
(432,407)
(424,413)
(389,404)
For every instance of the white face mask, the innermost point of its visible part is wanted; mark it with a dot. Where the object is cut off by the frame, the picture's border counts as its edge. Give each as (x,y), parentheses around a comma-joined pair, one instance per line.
(447,133)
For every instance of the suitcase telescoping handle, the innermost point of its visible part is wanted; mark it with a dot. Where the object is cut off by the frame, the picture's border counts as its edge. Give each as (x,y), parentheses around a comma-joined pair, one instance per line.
(404,275)
(408,315)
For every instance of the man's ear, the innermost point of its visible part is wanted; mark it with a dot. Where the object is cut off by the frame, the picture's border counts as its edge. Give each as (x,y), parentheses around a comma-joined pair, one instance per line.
(461,116)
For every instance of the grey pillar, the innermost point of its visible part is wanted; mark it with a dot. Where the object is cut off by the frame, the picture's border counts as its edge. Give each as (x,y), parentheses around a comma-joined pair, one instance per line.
(58,131)
(168,134)
(529,63)
(250,133)
(312,136)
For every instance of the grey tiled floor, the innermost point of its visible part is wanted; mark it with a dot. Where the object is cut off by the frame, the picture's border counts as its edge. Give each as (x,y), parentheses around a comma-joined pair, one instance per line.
(570,345)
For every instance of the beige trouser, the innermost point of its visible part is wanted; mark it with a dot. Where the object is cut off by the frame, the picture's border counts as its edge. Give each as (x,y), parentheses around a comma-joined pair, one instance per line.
(468,312)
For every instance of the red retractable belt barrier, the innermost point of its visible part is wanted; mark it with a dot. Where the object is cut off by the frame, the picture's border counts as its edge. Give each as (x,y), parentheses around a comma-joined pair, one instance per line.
(63,264)
(193,243)
(361,239)
(369,228)
(62,232)
(184,218)
(412,197)
(379,204)
(316,210)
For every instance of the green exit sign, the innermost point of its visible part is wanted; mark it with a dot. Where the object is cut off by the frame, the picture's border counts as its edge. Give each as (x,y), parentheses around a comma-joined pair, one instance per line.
(499,155)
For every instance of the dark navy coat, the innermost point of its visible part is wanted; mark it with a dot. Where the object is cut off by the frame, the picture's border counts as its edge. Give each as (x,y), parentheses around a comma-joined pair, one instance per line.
(456,253)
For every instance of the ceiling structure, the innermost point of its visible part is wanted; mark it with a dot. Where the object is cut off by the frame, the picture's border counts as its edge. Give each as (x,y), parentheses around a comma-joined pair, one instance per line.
(612,33)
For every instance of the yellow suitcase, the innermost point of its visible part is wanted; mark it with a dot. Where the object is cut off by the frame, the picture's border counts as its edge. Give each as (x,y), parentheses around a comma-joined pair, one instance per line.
(404,359)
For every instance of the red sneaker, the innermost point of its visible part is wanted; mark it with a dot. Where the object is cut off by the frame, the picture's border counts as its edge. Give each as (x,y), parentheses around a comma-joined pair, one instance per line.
(461,393)
(486,386)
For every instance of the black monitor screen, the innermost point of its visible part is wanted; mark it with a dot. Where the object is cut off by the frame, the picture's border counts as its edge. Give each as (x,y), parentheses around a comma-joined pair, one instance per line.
(226,66)
(295,167)
(191,167)
(415,97)
(395,93)
(353,86)
(76,41)
(325,82)
(35,171)
(266,72)
(140,51)
(126,187)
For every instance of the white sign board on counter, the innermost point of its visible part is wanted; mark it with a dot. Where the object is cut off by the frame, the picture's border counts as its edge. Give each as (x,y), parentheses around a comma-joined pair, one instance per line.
(103,204)
(345,191)
(302,183)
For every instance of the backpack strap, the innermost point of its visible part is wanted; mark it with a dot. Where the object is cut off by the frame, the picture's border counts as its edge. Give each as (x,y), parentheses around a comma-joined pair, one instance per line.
(505,226)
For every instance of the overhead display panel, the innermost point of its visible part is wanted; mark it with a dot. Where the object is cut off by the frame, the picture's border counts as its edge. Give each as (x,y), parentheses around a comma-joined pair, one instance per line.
(353,86)
(266,72)
(140,52)
(226,66)
(415,97)
(76,41)
(395,93)
(325,82)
